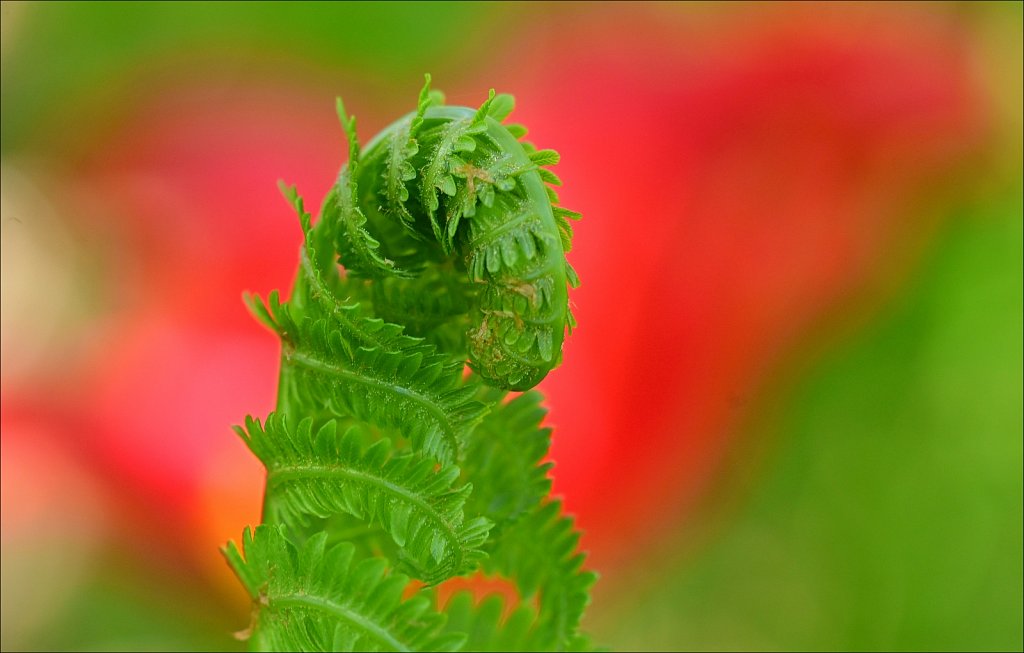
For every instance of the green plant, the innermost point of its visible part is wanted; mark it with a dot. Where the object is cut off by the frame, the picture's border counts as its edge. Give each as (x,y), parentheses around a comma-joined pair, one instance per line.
(382,449)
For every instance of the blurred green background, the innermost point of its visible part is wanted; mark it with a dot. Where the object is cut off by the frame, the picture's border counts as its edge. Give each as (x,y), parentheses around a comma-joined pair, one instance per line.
(886,514)
(842,471)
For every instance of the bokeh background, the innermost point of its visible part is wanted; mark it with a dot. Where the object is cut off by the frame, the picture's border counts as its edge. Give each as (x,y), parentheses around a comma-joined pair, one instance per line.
(791,416)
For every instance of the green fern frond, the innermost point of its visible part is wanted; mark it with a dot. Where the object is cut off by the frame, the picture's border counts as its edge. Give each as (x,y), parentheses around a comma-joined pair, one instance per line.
(432,306)
(397,174)
(503,459)
(399,170)
(549,177)
(485,108)
(320,288)
(479,182)
(451,247)
(455,138)
(533,543)
(486,629)
(357,249)
(320,599)
(322,472)
(501,106)
(421,396)
(541,555)
(418,393)
(502,251)
(562,218)
(518,131)
(545,157)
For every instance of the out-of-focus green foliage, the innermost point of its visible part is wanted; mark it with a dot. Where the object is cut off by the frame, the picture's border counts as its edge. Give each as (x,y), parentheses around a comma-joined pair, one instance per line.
(69,49)
(127,606)
(890,514)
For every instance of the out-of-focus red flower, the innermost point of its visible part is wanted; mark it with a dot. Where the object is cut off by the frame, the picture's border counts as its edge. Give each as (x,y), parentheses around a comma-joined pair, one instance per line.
(732,195)
(188,195)
(734,192)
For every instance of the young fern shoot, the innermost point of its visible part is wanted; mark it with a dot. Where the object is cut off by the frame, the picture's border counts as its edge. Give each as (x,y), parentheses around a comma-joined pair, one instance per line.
(386,462)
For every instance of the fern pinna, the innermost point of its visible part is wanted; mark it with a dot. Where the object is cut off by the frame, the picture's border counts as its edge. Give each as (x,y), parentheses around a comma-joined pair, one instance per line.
(387,462)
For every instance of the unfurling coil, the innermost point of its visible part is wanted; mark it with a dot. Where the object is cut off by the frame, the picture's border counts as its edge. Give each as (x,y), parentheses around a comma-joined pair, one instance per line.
(454,187)
(440,242)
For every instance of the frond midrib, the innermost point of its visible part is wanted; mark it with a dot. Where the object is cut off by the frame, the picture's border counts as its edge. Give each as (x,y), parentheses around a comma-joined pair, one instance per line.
(324,295)
(335,609)
(295,473)
(439,414)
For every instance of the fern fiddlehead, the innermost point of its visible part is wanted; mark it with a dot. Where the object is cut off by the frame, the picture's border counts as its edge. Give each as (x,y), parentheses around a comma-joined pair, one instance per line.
(382,450)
